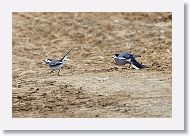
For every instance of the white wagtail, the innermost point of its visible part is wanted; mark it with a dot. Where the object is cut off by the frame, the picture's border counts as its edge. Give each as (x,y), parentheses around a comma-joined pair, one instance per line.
(127,58)
(56,64)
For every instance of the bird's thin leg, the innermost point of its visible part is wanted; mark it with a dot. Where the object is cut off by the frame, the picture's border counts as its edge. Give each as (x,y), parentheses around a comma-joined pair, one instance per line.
(58,72)
(129,66)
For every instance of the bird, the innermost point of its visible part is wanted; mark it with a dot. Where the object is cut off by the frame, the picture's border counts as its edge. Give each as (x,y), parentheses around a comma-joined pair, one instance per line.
(57,64)
(128,58)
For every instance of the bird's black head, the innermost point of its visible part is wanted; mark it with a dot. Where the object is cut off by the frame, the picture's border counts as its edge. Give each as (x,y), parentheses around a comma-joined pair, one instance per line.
(48,61)
(116,55)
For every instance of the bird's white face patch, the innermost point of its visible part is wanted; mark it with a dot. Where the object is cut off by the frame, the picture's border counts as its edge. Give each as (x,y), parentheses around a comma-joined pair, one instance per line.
(114,57)
(47,60)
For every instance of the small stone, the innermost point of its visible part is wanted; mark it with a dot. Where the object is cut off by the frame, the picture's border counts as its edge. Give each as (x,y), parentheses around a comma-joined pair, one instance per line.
(37,89)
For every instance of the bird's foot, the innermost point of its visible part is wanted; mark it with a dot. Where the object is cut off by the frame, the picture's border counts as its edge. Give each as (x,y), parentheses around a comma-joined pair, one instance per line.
(58,72)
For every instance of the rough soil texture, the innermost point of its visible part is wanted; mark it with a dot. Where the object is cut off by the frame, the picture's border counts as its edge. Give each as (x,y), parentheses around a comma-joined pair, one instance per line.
(91,85)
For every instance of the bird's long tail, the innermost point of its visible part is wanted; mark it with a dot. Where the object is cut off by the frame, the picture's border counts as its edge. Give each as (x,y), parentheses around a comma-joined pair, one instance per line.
(66,54)
(137,65)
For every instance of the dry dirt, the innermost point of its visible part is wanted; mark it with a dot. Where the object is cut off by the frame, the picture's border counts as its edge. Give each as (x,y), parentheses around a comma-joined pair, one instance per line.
(91,85)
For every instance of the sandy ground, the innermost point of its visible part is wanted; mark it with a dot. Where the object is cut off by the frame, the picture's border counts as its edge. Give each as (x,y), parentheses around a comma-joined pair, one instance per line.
(91,84)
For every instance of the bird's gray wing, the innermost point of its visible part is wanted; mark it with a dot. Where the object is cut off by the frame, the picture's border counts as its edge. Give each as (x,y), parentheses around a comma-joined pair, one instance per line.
(123,60)
(123,57)
(123,54)
(129,55)
(55,63)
